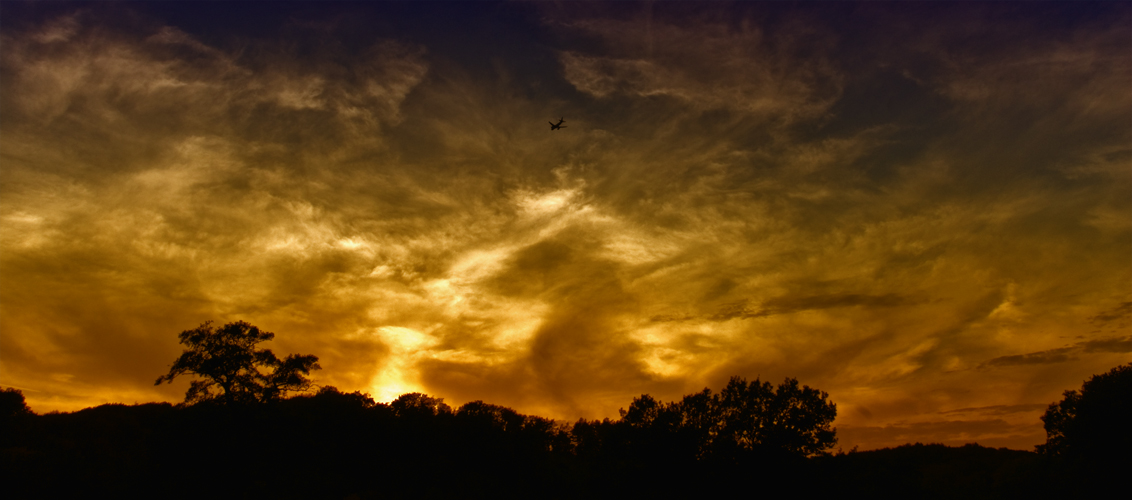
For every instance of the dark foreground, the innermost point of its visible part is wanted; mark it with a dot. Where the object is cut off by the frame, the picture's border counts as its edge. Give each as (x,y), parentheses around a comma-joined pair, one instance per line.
(335,445)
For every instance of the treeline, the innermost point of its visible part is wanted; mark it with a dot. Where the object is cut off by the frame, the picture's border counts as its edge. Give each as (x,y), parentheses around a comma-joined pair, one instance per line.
(330,444)
(333,445)
(237,435)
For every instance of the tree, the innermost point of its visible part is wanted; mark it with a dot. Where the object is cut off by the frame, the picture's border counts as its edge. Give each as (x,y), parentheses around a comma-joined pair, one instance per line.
(12,404)
(417,405)
(792,418)
(744,417)
(491,416)
(643,411)
(1093,422)
(14,412)
(229,365)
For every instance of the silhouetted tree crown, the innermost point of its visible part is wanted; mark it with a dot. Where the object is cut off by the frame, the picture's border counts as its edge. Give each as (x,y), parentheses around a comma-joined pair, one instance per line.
(491,416)
(229,366)
(12,403)
(419,405)
(1093,421)
(745,416)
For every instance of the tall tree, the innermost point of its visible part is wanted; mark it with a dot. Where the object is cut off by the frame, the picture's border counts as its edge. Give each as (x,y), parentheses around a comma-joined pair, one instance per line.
(233,370)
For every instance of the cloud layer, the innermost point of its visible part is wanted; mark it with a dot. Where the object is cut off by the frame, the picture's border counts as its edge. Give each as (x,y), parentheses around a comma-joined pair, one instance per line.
(921,220)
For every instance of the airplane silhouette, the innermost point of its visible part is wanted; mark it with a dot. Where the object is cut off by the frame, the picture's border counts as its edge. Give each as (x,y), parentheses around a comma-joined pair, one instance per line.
(556,126)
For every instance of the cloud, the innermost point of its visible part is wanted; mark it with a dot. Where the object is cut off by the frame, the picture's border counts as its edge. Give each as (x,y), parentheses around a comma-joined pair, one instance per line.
(1113,344)
(706,65)
(157,87)
(1061,355)
(998,409)
(1034,358)
(1117,313)
(787,305)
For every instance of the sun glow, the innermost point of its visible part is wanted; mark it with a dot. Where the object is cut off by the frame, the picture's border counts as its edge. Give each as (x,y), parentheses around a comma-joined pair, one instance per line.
(398,375)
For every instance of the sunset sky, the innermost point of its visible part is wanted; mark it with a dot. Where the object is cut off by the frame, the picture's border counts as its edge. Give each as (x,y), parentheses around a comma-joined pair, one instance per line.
(924,209)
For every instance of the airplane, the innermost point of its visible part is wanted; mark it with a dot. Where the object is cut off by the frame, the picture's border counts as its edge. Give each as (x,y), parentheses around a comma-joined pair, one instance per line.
(556,126)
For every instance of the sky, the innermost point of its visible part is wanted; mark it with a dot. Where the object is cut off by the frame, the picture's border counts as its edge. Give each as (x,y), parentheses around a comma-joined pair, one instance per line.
(923,209)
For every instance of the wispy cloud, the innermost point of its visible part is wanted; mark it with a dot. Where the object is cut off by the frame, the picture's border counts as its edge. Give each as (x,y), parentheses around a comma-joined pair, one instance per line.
(1110,344)
(787,305)
(707,65)
(998,409)
(1122,311)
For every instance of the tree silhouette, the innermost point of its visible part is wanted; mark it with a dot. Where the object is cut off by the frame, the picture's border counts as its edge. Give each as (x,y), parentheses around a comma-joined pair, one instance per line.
(229,365)
(797,419)
(14,412)
(1091,422)
(491,416)
(417,405)
(643,411)
(12,403)
(744,417)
